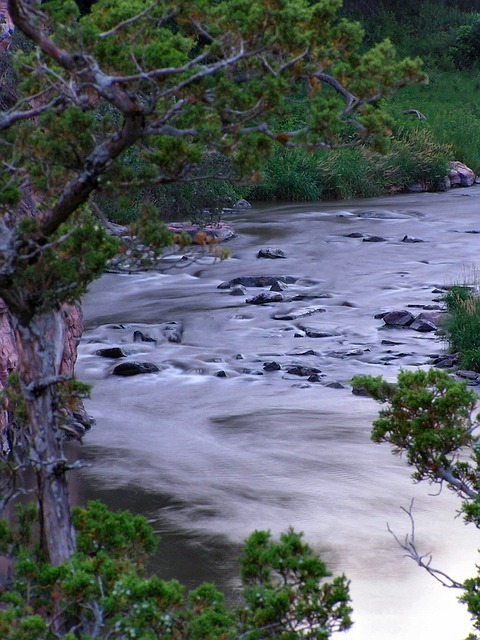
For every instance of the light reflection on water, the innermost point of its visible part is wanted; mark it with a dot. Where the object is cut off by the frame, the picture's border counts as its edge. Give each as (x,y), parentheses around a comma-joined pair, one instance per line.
(210,459)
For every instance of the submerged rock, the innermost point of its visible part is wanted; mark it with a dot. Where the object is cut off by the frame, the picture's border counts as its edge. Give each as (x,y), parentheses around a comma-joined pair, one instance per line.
(173,331)
(238,290)
(411,239)
(374,239)
(257,281)
(242,204)
(265,298)
(279,286)
(305,372)
(299,313)
(139,336)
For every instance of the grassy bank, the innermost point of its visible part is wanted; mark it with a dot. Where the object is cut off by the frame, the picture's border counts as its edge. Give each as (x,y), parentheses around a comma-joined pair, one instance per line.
(450,103)
(420,149)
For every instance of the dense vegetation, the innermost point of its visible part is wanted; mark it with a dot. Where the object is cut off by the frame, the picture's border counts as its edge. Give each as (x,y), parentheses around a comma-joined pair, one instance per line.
(446,36)
(462,325)
(117,111)
(104,591)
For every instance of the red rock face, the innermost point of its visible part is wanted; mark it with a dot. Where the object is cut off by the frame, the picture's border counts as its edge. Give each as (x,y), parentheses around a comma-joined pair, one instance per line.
(8,354)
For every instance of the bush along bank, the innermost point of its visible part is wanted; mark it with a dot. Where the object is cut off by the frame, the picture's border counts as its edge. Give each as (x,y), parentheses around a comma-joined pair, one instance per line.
(415,162)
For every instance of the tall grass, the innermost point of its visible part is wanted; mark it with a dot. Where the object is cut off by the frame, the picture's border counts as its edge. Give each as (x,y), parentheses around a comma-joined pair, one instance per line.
(298,175)
(450,103)
(462,326)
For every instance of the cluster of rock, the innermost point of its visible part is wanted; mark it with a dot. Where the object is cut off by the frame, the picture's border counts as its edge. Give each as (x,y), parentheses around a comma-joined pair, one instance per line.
(169,331)
(459,175)
(423,322)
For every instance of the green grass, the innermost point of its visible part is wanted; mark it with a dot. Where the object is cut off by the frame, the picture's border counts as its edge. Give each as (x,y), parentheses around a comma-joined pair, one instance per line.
(462,326)
(297,175)
(450,103)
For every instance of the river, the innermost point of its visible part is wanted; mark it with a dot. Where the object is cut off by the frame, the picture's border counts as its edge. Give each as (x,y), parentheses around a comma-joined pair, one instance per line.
(213,446)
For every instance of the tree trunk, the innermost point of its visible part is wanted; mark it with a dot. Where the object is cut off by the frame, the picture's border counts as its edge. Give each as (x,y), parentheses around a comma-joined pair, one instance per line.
(40,347)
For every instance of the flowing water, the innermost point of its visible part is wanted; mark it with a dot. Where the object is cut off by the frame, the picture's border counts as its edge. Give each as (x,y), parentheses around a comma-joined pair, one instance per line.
(210,456)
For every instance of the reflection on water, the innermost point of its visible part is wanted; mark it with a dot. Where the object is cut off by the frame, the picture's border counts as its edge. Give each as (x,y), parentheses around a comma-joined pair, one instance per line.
(211,458)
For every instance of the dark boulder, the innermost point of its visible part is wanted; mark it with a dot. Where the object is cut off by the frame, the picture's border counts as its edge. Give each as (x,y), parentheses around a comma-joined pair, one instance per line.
(374,239)
(238,290)
(427,322)
(279,286)
(111,352)
(271,253)
(298,370)
(135,368)
(271,366)
(401,318)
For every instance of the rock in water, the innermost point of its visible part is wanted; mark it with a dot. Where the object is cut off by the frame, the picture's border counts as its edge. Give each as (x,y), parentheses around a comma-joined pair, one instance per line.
(173,331)
(111,352)
(271,253)
(299,313)
(139,336)
(257,281)
(135,368)
(401,318)
(303,371)
(265,298)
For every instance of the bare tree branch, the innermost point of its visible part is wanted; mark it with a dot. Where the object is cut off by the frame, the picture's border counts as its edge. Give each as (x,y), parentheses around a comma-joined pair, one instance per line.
(423,560)
(351,100)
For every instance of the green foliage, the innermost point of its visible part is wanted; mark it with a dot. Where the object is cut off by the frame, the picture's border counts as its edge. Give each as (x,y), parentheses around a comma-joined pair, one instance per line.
(450,104)
(428,418)
(119,534)
(103,591)
(462,325)
(210,187)
(466,50)
(60,271)
(213,106)
(428,29)
(413,157)
(286,596)
(290,174)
